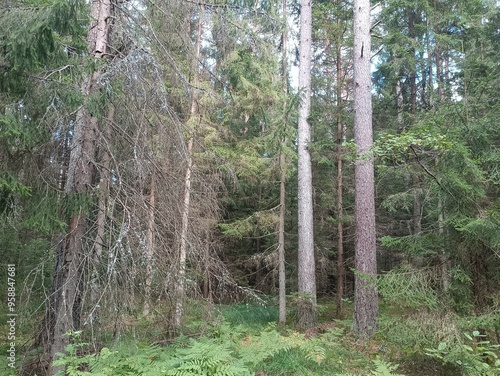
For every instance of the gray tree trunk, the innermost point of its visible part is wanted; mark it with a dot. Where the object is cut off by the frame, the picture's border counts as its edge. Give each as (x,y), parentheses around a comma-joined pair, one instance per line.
(306,310)
(179,306)
(104,182)
(282,161)
(366,299)
(150,245)
(340,203)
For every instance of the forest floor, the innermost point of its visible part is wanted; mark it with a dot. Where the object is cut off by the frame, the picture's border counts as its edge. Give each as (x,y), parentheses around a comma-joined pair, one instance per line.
(245,340)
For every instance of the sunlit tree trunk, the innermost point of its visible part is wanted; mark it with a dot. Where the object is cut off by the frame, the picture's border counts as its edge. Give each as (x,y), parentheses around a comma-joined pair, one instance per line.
(306,310)
(365,294)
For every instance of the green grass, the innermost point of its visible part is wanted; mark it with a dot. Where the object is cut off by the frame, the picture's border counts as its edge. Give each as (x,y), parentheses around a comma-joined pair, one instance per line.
(249,315)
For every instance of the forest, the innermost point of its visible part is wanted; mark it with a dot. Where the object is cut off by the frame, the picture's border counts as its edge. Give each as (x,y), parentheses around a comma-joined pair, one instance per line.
(250,187)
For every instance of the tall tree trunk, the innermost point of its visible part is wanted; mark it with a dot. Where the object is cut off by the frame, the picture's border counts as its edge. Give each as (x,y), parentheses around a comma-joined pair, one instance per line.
(67,271)
(307,310)
(282,162)
(365,294)
(64,306)
(430,72)
(340,204)
(417,199)
(179,306)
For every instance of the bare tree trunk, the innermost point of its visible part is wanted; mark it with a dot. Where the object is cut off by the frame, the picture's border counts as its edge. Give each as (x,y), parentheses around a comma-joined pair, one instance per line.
(207,293)
(179,306)
(307,310)
(399,103)
(438,57)
(66,279)
(65,305)
(365,295)
(105,177)
(282,162)
(417,199)
(430,72)
(149,247)
(444,260)
(340,203)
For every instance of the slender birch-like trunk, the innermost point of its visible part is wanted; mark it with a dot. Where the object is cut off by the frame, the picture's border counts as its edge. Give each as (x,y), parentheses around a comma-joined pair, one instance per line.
(179,306)
(150,247)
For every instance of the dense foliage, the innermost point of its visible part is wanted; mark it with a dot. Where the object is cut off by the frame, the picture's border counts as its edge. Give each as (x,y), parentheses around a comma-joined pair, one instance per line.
(196,107)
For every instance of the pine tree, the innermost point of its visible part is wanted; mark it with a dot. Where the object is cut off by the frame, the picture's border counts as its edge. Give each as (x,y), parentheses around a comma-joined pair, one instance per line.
(307,310)
(365,294)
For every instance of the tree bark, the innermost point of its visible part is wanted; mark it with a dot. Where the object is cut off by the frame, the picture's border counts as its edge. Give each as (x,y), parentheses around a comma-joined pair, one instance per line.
(104,181)
(65,306)
(179,306)
(282,162)
(149,247)
(67,271)
(307,310)
(340,204)
(366,299)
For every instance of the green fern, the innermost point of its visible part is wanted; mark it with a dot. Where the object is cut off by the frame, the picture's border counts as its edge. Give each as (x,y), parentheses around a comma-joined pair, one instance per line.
(230,351)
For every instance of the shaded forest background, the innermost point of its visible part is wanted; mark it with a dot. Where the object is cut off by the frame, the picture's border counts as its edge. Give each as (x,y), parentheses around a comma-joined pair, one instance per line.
(195,109)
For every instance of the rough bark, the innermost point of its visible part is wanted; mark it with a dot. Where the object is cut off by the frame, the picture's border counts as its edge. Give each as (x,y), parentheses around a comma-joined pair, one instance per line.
(307,310)
(366,299)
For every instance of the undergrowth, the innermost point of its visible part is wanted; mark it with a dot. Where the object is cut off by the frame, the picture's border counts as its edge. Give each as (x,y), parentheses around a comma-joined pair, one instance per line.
(244,340)
(227,351)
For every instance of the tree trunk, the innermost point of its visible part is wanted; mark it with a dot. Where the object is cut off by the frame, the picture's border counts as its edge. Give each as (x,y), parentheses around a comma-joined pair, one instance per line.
(444,259)
(179,306)
(104,181)
(65,306)
(307,310)
(149,247)
(340,205)
(430,72)
(366,299)
(67,271)
(282,162)
(417,199)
